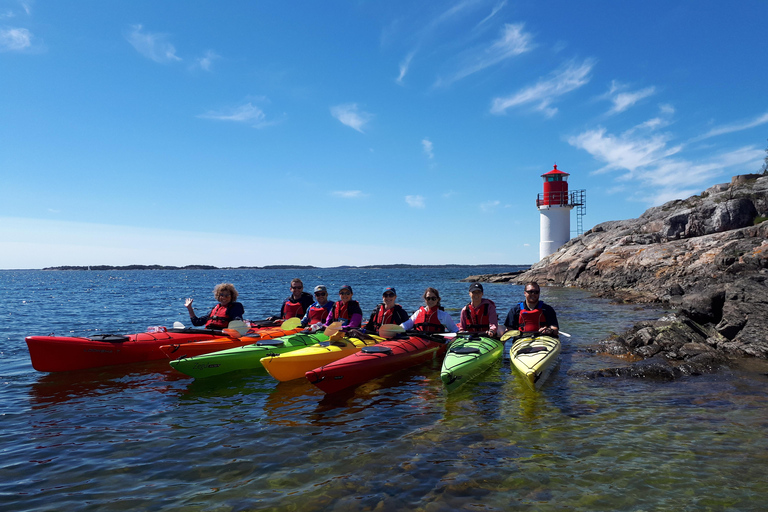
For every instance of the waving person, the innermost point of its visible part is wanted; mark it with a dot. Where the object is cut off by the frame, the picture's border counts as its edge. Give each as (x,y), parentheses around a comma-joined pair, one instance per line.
(222,313)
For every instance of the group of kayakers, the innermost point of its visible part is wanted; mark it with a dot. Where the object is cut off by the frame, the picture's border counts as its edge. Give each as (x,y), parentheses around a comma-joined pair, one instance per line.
(477,317)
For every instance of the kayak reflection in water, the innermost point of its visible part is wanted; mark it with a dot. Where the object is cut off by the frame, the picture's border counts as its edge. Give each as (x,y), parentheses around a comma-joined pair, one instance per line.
(533,315)
(431,317)
(222,313)
(479,316)
(388,312)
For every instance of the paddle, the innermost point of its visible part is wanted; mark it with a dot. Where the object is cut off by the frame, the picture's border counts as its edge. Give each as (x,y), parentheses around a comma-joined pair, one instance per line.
(238,326)
(390,330)
(291,324)
(510,334)
(334,328)
(178,325)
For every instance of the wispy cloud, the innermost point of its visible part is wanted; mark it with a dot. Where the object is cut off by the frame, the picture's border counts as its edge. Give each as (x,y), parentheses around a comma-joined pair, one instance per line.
(428,149)
(404,65)
(735,127)
(496,8)
(206,60)
(350,115)
(489,205)
(247,113)
(623,99)
(512,42)
(657,169)
(565,79)
(154,46)
(15,39)
(415,201)
(349,194)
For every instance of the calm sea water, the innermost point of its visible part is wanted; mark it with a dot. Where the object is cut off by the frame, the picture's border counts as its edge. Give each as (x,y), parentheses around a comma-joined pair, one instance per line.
(143,437)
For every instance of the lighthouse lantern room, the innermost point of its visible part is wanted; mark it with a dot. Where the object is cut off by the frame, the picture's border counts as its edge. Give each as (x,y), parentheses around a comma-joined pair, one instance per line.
(555,205)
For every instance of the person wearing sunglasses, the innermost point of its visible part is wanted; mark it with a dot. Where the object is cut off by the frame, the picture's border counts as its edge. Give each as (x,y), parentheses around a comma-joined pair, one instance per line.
(388,312)
(296,304)
(533,315)
(479,316)
(431,317)
(222,313)
(319,310)
(346,310)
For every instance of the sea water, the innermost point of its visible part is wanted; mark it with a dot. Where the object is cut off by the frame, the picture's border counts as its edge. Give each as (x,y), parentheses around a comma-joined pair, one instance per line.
(144,437)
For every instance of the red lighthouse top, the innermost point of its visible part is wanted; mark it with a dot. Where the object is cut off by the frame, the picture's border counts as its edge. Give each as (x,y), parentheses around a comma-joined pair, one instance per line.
(555,189)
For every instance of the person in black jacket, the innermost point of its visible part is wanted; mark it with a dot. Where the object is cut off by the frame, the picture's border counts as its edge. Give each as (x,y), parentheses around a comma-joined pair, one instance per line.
(388,312)
(222,313)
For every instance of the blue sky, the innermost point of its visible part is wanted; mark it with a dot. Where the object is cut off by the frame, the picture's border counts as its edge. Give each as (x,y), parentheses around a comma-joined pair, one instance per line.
(354,133)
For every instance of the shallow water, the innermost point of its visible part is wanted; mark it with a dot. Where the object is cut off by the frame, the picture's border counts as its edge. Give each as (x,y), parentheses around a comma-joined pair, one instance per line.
(143,437)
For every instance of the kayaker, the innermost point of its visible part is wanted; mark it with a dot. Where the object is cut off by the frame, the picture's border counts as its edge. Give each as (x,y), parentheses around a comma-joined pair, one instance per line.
(431,317)
(297,303)
(533,315)
(388,312)
(346,310)
(222,313)
(479,316)
(318,312)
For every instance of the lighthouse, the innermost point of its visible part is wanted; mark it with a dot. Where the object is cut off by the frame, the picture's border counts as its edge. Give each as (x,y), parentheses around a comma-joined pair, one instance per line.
(555,205)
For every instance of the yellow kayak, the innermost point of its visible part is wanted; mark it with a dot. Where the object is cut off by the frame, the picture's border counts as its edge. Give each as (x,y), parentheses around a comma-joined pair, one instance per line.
(294,365)
(534,357)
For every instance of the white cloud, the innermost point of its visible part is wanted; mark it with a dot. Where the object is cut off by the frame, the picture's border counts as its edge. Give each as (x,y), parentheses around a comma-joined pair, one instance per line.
(656,171)
(349,194)
(247,113)
(153,46)
(498,7)
(15,39)
(735,127)
(489,205)
(622,100)
(415,201)
(350,115)
(565,79)
(404,67)
(513,41)
(206,60)
(428,149)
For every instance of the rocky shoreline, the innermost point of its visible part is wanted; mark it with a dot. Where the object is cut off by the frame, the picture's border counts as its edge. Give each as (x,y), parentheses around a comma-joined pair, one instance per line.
(705,256)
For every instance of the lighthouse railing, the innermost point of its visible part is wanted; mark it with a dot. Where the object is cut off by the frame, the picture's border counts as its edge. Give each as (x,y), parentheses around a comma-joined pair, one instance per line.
(552,199)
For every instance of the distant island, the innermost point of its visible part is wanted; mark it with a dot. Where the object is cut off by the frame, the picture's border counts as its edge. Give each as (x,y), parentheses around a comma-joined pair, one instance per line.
(269,267)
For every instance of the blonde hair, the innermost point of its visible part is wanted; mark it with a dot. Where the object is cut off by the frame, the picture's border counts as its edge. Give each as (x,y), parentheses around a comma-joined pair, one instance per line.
(225,287)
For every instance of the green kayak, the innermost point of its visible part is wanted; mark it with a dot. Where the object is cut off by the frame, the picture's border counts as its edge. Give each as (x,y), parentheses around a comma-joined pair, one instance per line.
(469,356)
(247,357)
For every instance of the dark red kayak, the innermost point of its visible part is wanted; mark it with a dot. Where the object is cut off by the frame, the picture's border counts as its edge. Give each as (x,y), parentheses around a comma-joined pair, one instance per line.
(377,360)
(65,353)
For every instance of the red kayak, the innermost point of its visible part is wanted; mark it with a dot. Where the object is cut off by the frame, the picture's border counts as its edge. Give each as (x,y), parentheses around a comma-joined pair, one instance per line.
(376,360)
(198,348)
(63,353)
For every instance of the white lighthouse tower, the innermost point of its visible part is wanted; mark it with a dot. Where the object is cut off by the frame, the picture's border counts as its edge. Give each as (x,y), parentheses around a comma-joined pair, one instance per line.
(555,206)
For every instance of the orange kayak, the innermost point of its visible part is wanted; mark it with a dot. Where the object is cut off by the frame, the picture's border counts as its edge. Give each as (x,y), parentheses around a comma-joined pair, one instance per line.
(198,348)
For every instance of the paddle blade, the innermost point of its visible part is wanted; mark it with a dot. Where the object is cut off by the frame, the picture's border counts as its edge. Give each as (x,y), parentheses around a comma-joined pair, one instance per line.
(178,325)
(390,330)
(510,334)
(333,328)
(239,326)
(231,332)
(291,324)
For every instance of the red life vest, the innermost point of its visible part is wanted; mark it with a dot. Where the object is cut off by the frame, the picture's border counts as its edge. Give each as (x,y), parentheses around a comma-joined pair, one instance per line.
(531,319)
(476,320)
(428,321)
(218,319)
(341,311)
(292,310)
(317,314)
